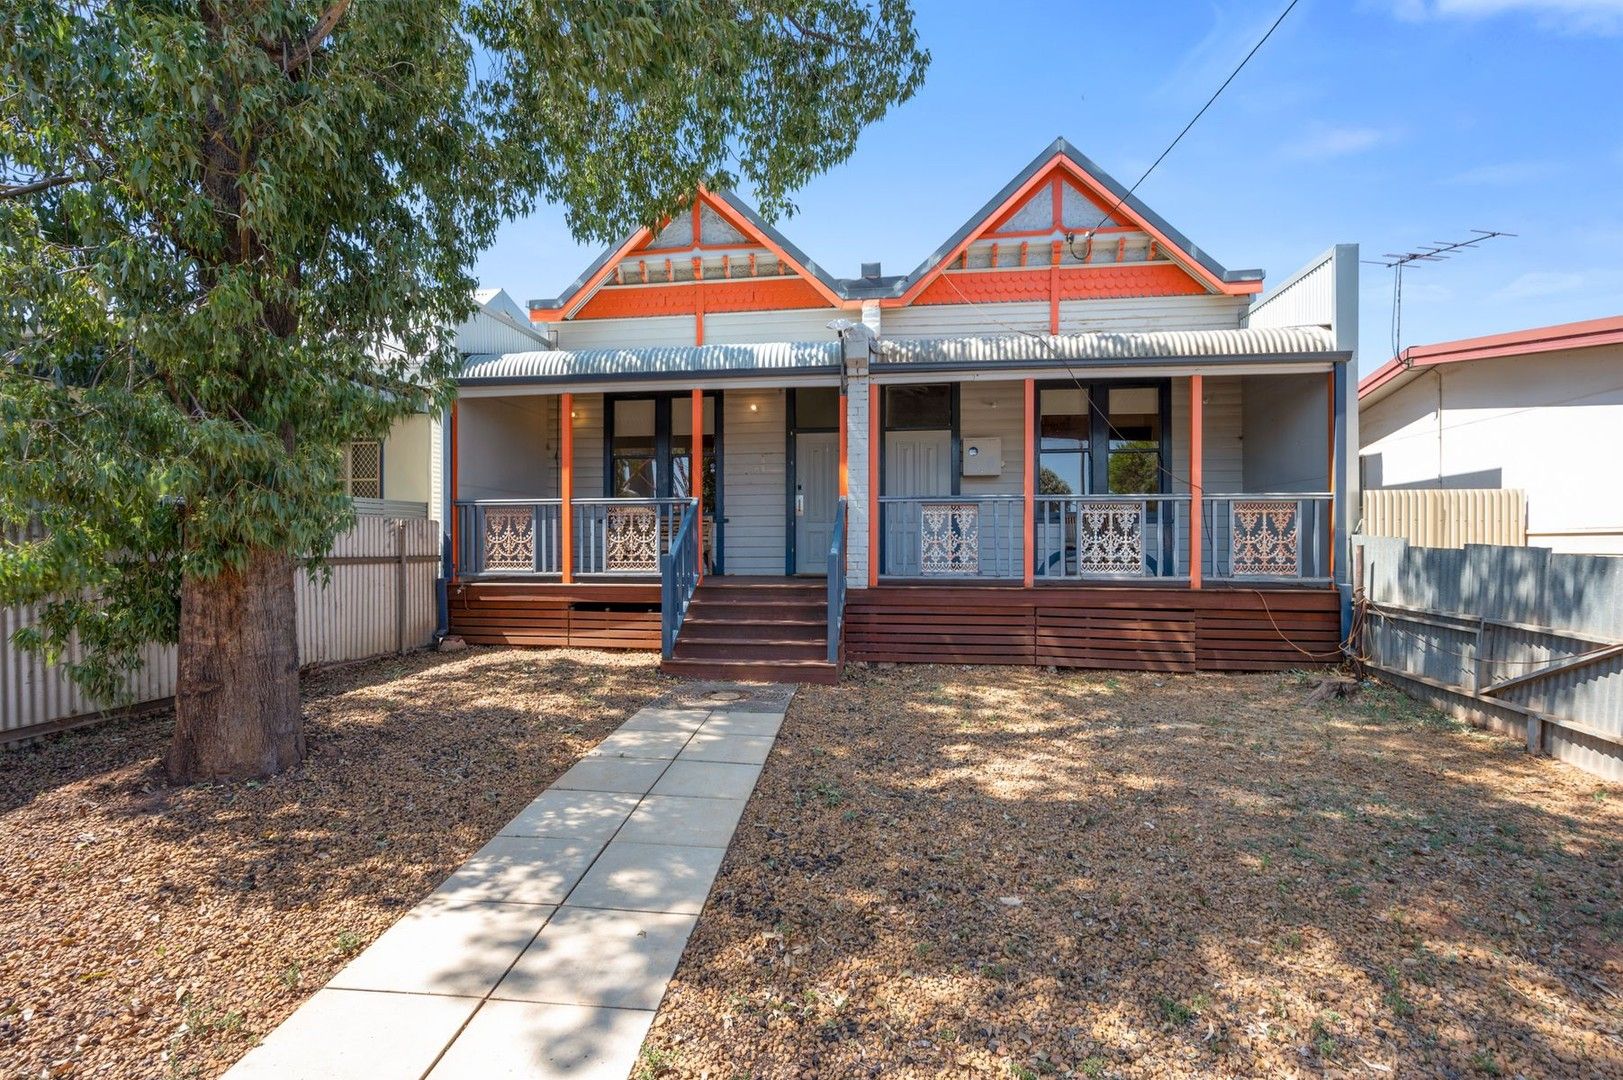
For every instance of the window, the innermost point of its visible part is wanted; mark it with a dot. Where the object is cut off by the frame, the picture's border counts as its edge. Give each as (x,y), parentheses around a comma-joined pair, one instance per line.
(1135,440)
(682,450)
(918,408)
(363,469)
(1102,438)
(1062,461)
(633,455)
(817,408)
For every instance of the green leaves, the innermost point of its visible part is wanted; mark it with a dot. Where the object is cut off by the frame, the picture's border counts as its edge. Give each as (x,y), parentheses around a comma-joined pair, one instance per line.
(260,220)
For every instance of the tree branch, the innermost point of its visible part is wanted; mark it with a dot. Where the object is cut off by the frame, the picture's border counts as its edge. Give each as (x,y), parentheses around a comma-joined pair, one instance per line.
(814,35)
(324,28)
(18,191)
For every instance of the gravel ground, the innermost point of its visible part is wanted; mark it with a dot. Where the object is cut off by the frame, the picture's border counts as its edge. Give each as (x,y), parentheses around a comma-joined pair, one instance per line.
(1013,873)
(149,931)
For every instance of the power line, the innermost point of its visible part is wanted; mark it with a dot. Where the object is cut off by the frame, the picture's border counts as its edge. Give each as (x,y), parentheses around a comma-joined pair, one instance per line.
(1209,101)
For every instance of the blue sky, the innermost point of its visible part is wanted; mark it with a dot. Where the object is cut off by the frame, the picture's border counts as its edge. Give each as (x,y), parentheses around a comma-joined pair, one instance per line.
(1389,123)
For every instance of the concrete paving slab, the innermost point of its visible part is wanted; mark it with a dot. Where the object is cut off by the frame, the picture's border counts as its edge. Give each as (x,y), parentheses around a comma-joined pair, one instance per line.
(586,816)
(358,1035)
(442,947)
(708,779)
(520,870)
(743,723)
(656,745)
(611,774)
(592,957)
(683,820)
(519,1040)
(666,719)
(739,749)
(649,877)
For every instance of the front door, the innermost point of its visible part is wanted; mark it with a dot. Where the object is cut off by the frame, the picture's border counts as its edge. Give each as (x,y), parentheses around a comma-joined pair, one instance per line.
(817,484)
(916,463)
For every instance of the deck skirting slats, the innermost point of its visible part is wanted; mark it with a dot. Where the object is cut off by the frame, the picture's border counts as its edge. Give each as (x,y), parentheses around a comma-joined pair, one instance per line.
(1116,628)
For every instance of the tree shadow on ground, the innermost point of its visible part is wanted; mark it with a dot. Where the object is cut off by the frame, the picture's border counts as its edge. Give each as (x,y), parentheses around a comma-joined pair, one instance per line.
(224,905)
(978,869)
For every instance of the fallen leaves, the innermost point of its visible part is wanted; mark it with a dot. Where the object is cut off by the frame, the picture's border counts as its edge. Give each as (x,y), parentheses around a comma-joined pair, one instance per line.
(1069,874)
(156,931)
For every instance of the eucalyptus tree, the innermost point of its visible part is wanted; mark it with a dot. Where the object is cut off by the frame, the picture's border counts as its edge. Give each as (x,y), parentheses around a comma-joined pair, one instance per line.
(233,235)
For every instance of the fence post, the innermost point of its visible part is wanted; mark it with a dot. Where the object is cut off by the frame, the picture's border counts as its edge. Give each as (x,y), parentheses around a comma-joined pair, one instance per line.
(400,586)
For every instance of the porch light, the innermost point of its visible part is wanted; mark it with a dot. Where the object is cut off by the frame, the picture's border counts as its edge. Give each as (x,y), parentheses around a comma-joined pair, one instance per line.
(755,406)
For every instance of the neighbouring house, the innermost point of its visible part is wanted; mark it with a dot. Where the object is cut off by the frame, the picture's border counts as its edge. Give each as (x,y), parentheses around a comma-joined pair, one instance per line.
(398,475)
(1069,437)
(1536,411)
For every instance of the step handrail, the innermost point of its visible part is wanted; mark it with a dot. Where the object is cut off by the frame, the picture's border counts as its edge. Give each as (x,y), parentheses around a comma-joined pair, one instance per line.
(836,583)
(679,577)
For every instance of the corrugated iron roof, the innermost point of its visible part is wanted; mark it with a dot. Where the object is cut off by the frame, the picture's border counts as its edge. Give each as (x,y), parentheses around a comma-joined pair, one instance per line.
(570,365)
(1278,343)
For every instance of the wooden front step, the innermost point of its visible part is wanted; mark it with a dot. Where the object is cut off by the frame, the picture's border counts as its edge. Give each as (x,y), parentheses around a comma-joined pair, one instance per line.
(820,672)
(755,629)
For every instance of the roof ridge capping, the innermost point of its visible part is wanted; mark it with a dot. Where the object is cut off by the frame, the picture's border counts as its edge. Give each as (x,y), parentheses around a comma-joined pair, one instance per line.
(1584,334)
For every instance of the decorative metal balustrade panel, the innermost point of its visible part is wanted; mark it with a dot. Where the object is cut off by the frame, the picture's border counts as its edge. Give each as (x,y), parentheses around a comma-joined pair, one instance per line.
(1264,539)
(509,540)
(1110,538)
(949,538)
(631,540)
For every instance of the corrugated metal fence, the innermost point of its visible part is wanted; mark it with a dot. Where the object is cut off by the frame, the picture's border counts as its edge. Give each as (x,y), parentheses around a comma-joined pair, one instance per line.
(1517,639)
(379,598)
(1449,519)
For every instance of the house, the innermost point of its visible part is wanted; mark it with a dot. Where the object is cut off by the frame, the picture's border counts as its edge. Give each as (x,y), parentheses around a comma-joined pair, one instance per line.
(398,475)
(1069,436)
(1537,410)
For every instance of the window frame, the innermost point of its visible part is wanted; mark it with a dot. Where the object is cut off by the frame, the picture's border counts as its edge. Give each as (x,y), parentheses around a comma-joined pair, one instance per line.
(349,468)
(1097,474)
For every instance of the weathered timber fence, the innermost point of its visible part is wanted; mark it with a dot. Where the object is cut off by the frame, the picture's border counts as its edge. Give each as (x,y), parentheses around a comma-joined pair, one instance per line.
(1513,638)
(1448,518)
(377,598)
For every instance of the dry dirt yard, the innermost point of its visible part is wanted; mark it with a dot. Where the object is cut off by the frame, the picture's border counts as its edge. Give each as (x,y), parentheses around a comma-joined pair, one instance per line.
(149,931)
(1019,874)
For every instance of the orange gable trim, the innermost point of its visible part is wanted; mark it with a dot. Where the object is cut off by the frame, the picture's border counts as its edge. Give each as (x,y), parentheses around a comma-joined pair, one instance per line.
(1068,283)
(577,303)
(735,294)
(1060,169)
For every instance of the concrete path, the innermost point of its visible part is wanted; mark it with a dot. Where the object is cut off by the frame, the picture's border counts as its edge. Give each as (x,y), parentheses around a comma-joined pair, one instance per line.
(547,952)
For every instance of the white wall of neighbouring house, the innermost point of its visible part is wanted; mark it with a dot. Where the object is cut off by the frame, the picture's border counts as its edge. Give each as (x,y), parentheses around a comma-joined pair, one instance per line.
(1549,424)
(407,460)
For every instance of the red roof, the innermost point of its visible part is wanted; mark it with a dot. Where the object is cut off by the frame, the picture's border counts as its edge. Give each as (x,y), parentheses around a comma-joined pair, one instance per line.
(1576,335)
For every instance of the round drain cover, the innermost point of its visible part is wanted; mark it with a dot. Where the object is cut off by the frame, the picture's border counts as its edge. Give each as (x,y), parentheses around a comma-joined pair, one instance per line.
(724,695)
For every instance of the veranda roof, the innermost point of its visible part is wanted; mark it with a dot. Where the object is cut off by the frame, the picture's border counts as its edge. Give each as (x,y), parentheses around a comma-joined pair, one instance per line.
(1037,350)
(659,361)
(787,358)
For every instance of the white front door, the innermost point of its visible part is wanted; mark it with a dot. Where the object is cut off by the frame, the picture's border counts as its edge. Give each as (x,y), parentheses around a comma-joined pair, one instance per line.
(817,487)
(916,463)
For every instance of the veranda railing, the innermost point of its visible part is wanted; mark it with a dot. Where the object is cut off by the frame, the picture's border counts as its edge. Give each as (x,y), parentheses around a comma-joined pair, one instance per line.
(1111,536)
(951,536)
(1281,537)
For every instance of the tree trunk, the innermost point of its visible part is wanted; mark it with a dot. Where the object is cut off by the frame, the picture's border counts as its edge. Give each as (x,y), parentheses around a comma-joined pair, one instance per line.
(237,712)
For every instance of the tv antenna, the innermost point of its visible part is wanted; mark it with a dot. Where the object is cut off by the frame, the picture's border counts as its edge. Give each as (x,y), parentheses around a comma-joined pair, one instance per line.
(1395,261)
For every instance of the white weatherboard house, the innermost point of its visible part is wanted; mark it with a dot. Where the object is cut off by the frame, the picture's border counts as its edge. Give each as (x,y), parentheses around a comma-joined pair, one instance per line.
(400,473)
(1069,436)
(1536,410)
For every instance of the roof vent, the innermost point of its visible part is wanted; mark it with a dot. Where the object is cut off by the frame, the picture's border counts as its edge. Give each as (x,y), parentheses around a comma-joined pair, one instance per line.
(870,271)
